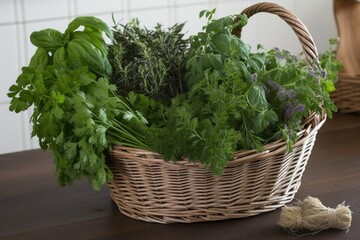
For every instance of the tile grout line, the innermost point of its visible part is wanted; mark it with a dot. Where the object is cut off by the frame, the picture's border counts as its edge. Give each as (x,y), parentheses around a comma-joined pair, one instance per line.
(69,9)
(75,8)
(174,10)
(26,124)
(127,9)
(170,13)
(18,13)
(4,103)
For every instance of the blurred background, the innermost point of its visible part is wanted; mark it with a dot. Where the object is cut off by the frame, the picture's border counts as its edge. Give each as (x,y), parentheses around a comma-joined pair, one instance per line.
(19,18)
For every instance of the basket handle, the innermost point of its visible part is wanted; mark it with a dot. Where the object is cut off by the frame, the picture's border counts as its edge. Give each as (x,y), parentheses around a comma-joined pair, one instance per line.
(299,28)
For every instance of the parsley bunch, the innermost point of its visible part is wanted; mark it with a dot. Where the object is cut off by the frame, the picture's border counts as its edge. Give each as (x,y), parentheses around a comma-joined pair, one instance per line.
(77,114)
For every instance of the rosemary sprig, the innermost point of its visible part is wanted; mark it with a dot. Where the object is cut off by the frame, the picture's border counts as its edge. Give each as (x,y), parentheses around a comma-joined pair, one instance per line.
(150,62)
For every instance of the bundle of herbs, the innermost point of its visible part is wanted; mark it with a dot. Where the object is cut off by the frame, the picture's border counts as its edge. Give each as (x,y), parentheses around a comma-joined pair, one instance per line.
(76,113)
(201,98)
(149,62)
(238,100)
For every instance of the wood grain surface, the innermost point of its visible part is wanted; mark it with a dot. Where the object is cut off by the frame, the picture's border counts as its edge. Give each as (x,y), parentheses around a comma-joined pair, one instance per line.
(33,206)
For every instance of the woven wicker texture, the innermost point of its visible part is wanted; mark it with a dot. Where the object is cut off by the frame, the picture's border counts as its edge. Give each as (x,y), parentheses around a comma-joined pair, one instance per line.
(347,94)
(146,187)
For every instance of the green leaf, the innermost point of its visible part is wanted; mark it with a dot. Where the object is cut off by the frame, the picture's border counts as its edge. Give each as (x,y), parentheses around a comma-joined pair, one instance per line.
(256,97)
(17,105)
(58,112)
(13,91)
(81,131)
(101,136)
(242,20)
(39,59)
(243,71)
(99,179)
(50,127)
(71,150)
(48,39)
(60,59)
(216,61)
(82,53)
(201,14)
(256,62)
(220,25)
(102,115)
(330,86)
(128,116)
(263,120)
(140,117)
(94,38)
(222,43)
(60,98)
(92,23)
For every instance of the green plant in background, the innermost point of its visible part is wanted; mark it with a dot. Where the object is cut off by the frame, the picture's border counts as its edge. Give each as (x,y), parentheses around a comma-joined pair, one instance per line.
(76,112)
(328,61)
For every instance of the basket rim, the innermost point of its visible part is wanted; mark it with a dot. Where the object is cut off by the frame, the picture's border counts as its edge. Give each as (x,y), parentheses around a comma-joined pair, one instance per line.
(310,126)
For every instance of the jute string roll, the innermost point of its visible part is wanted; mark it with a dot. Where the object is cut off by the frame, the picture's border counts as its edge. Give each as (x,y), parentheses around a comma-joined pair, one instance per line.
(312,215)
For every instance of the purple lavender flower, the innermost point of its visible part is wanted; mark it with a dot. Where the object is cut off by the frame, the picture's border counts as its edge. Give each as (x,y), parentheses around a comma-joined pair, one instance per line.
(281,92)
(273,85)
(312,73)
(290,93)
(317,73)
(291,110)
(299,108)
(323,74)
(278,53)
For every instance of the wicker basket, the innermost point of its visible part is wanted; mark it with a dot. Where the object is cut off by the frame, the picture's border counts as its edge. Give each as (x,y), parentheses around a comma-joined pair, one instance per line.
(146,187)
(347,94)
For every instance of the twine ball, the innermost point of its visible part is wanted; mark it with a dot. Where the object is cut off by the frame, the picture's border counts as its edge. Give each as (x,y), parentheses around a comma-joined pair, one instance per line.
(312,215)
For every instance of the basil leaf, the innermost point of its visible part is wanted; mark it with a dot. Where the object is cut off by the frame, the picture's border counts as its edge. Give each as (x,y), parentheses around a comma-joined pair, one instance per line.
(82,53)
(216,61)
(92,23)
(263,120)
(221,43)
(60,59)
(256,62)
(220,25)
(39,59)
(94,38)
(49,39)
(256,97)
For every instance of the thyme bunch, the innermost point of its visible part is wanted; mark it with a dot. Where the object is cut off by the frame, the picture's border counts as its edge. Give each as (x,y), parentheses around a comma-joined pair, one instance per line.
(149,62)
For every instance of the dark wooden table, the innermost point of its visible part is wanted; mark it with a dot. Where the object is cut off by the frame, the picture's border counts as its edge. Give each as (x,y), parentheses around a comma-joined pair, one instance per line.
(33,206)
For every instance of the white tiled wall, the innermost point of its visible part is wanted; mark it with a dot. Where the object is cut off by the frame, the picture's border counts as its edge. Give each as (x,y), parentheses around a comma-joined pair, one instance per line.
(18,18)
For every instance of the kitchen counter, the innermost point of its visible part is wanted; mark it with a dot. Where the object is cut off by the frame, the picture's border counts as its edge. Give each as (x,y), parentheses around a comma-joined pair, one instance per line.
(33,206)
